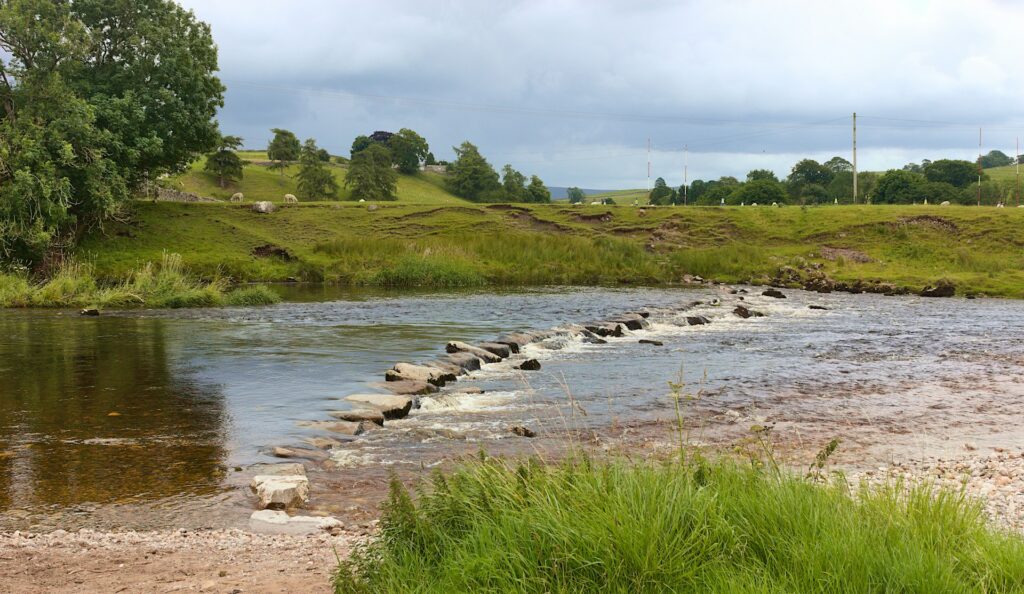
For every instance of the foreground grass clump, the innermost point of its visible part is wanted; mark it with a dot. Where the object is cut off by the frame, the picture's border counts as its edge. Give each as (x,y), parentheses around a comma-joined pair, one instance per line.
(583,526)
(164,285)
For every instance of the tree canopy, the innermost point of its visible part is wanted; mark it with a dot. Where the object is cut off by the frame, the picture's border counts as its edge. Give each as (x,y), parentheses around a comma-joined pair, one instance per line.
(408,150)
(537,192)
(575,195)
(955,172)
(996,159)
(471,176)
(283,148)
(370,175)
(225,162)
(99,97)
(316,182)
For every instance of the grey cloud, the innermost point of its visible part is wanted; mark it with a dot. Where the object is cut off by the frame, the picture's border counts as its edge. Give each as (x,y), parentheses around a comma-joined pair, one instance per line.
(760,67)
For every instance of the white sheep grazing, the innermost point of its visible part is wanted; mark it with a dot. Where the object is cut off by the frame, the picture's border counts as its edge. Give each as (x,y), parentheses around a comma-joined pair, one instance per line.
(237,197)
(945,203)
(290,198)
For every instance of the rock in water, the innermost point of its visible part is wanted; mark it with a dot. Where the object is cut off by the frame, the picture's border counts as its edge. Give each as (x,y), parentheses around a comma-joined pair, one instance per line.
(821,307)
(943,288)
(263,207)
(697,320)
(651,342)
(482,354)
(392,406)
(777,294)
(280,492)
(283,469)
(419,373)
(523,431)
(90,311)
(357,415)
(468,390)
(339,427)
(529,365)
(502,350)
(745,312)
(408,387)
(465,361)
(281,452)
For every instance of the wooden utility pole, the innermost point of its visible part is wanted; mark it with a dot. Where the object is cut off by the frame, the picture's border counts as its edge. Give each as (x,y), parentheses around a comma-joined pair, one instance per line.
(855,157)
(686,159)
(979,166)
(648,167)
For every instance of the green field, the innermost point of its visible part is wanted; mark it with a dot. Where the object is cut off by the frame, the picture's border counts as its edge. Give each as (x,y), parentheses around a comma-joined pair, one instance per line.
(261,183)
(401,244)
(621,197)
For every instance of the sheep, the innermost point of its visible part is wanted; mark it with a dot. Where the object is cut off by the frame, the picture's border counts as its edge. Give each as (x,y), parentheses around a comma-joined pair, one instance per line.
(290,198)
(237,197)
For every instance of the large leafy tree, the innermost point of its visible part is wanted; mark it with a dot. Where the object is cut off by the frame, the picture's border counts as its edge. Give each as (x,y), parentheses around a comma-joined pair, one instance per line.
(408,150)
(537,191)
(514,184)
(284,148)
(955,172)
(370,174)
(996,159)
(471,176)
(760,191)
(661,194)
(758,174)
(316,182)
(225,162)
(575,195)
(98,97)
(897,186)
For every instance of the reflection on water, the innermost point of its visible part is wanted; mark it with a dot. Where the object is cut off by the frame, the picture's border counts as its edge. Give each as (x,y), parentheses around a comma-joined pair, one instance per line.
(94,410)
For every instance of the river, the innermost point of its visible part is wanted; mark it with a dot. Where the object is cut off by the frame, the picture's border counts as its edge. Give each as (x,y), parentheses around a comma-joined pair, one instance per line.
(143,419)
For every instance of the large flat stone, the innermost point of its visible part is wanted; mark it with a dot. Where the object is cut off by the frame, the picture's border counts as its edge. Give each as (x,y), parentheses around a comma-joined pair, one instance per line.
(278,522)
(466,361)
(419,373)
(502,350)
(340,427)
(280,492)
(409,387)
(393,406)
(461,347)
(359,414)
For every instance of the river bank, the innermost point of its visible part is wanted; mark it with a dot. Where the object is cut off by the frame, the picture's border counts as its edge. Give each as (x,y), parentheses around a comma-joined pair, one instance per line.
(883,249)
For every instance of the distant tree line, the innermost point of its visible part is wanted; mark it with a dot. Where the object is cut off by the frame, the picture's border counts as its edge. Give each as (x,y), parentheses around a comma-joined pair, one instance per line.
(811,182)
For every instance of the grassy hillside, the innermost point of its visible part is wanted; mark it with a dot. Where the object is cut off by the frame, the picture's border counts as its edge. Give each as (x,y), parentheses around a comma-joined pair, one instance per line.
(405,245)
(261,183)
(621,197)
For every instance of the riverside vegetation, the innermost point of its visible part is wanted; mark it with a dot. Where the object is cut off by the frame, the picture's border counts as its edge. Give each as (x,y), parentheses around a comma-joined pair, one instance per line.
(407,245)
(689,525)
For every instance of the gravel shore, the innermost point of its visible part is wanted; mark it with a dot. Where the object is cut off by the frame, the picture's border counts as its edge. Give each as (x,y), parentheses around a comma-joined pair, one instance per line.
(174,561)
(996,479)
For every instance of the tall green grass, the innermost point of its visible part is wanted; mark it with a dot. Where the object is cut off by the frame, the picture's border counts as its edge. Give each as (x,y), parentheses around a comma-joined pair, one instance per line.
(472,259)
(695,526)
(164,285)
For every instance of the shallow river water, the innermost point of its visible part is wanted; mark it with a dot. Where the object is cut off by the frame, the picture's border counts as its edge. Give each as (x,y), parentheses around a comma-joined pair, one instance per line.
(141,418)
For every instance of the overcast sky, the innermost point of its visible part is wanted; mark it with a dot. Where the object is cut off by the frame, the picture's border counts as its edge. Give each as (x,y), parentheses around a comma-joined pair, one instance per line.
(571,91)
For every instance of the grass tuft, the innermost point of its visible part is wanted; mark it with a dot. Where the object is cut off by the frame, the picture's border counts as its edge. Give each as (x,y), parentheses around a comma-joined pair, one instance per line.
(253,295)
(168,284)
(697,526)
